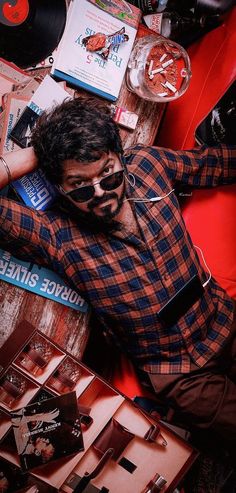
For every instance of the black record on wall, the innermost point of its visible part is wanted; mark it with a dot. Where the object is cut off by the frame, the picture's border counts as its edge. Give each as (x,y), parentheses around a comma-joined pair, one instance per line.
(30,29)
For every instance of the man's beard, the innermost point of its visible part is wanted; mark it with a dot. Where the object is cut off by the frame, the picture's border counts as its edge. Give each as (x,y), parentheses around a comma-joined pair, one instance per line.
(103,223)
(108,215)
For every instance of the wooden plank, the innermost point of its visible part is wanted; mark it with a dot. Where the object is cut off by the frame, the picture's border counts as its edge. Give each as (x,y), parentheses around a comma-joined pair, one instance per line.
(150,115)
(68,327)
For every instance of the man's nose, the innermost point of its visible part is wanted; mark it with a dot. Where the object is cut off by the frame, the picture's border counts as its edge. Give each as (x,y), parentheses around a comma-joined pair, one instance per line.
(98,191)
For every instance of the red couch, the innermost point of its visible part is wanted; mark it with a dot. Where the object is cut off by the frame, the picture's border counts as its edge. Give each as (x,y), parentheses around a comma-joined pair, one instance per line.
(209,214)
(213,66)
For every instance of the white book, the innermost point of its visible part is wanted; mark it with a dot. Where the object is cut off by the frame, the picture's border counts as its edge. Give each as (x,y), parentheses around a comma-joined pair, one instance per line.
(80,66)
(46,96)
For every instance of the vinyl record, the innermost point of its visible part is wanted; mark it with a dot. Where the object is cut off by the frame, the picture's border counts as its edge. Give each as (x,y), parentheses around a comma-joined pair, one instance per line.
(30,29)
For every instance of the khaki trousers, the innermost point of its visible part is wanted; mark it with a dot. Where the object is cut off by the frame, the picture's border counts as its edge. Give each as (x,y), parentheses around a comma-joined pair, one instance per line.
(206,397)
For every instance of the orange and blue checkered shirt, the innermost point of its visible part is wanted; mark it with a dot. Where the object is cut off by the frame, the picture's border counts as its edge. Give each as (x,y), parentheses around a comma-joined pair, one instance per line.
(127,278)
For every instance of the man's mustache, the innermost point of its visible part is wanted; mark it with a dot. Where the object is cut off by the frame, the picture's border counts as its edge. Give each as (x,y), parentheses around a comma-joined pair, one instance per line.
(100,200)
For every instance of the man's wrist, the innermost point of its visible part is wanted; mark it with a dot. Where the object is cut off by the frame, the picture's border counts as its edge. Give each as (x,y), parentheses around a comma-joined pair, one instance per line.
(7,170)
(16,164)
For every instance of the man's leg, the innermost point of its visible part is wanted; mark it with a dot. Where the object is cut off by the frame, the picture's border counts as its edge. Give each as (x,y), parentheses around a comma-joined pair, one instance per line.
(201,399)
(206,397)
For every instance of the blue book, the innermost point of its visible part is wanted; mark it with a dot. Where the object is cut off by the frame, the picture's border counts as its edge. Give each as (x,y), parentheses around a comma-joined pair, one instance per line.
(39,280)
(35,190)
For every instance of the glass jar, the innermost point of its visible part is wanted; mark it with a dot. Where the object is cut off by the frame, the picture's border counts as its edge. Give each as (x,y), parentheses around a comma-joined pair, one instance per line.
(158,69)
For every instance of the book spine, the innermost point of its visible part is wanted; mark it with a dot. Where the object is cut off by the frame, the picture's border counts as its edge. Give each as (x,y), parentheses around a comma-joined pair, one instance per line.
(76,82)
(39,280)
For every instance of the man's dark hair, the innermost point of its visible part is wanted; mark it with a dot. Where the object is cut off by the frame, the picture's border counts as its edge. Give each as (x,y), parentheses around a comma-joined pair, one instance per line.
(80,129)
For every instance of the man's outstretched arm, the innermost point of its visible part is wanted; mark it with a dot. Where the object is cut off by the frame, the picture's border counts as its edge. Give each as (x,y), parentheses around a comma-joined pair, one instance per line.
(200,167)
(16,164)
(203,166)
(24,231)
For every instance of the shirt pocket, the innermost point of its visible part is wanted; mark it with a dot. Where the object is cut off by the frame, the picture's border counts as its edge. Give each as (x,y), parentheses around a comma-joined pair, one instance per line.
(195,323)
(173,257)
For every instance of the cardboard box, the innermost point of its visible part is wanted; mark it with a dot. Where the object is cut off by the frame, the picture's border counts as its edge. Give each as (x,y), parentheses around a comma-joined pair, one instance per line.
(125,449)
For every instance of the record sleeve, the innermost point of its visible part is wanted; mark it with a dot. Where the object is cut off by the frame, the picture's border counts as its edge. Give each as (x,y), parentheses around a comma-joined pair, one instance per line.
(30,30)
(47,430)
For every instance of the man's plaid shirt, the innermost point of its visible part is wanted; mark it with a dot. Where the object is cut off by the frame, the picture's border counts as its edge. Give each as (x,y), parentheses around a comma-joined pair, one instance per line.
(128,278)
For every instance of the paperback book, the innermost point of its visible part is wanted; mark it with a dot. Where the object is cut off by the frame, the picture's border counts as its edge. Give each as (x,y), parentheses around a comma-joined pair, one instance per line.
(48,95)
(35,190)
(96,45)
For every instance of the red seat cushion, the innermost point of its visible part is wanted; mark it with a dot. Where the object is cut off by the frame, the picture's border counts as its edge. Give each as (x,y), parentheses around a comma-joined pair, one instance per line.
(213,70)
(125,379)
(209,214)
(210,219)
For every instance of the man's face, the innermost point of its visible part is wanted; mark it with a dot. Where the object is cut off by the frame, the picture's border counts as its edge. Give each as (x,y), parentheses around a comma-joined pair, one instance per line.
(103,205)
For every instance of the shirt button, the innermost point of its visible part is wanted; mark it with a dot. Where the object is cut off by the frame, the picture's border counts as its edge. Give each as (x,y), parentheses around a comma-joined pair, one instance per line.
(166,277)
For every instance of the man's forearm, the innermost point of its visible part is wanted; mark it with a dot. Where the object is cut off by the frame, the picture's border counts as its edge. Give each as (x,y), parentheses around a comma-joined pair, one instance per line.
(17,164)
(200,167)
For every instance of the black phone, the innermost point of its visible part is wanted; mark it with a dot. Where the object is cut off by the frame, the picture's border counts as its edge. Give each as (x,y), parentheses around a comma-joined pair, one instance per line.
(180,303)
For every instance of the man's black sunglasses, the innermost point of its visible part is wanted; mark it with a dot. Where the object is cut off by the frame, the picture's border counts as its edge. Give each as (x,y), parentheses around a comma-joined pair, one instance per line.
(85,193)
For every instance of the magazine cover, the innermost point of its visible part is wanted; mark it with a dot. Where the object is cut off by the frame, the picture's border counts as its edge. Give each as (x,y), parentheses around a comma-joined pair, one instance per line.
(96,45)
(47,430)
(48,95)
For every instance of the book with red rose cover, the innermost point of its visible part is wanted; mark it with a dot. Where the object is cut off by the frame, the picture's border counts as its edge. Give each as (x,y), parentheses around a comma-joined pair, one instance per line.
(48,430)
